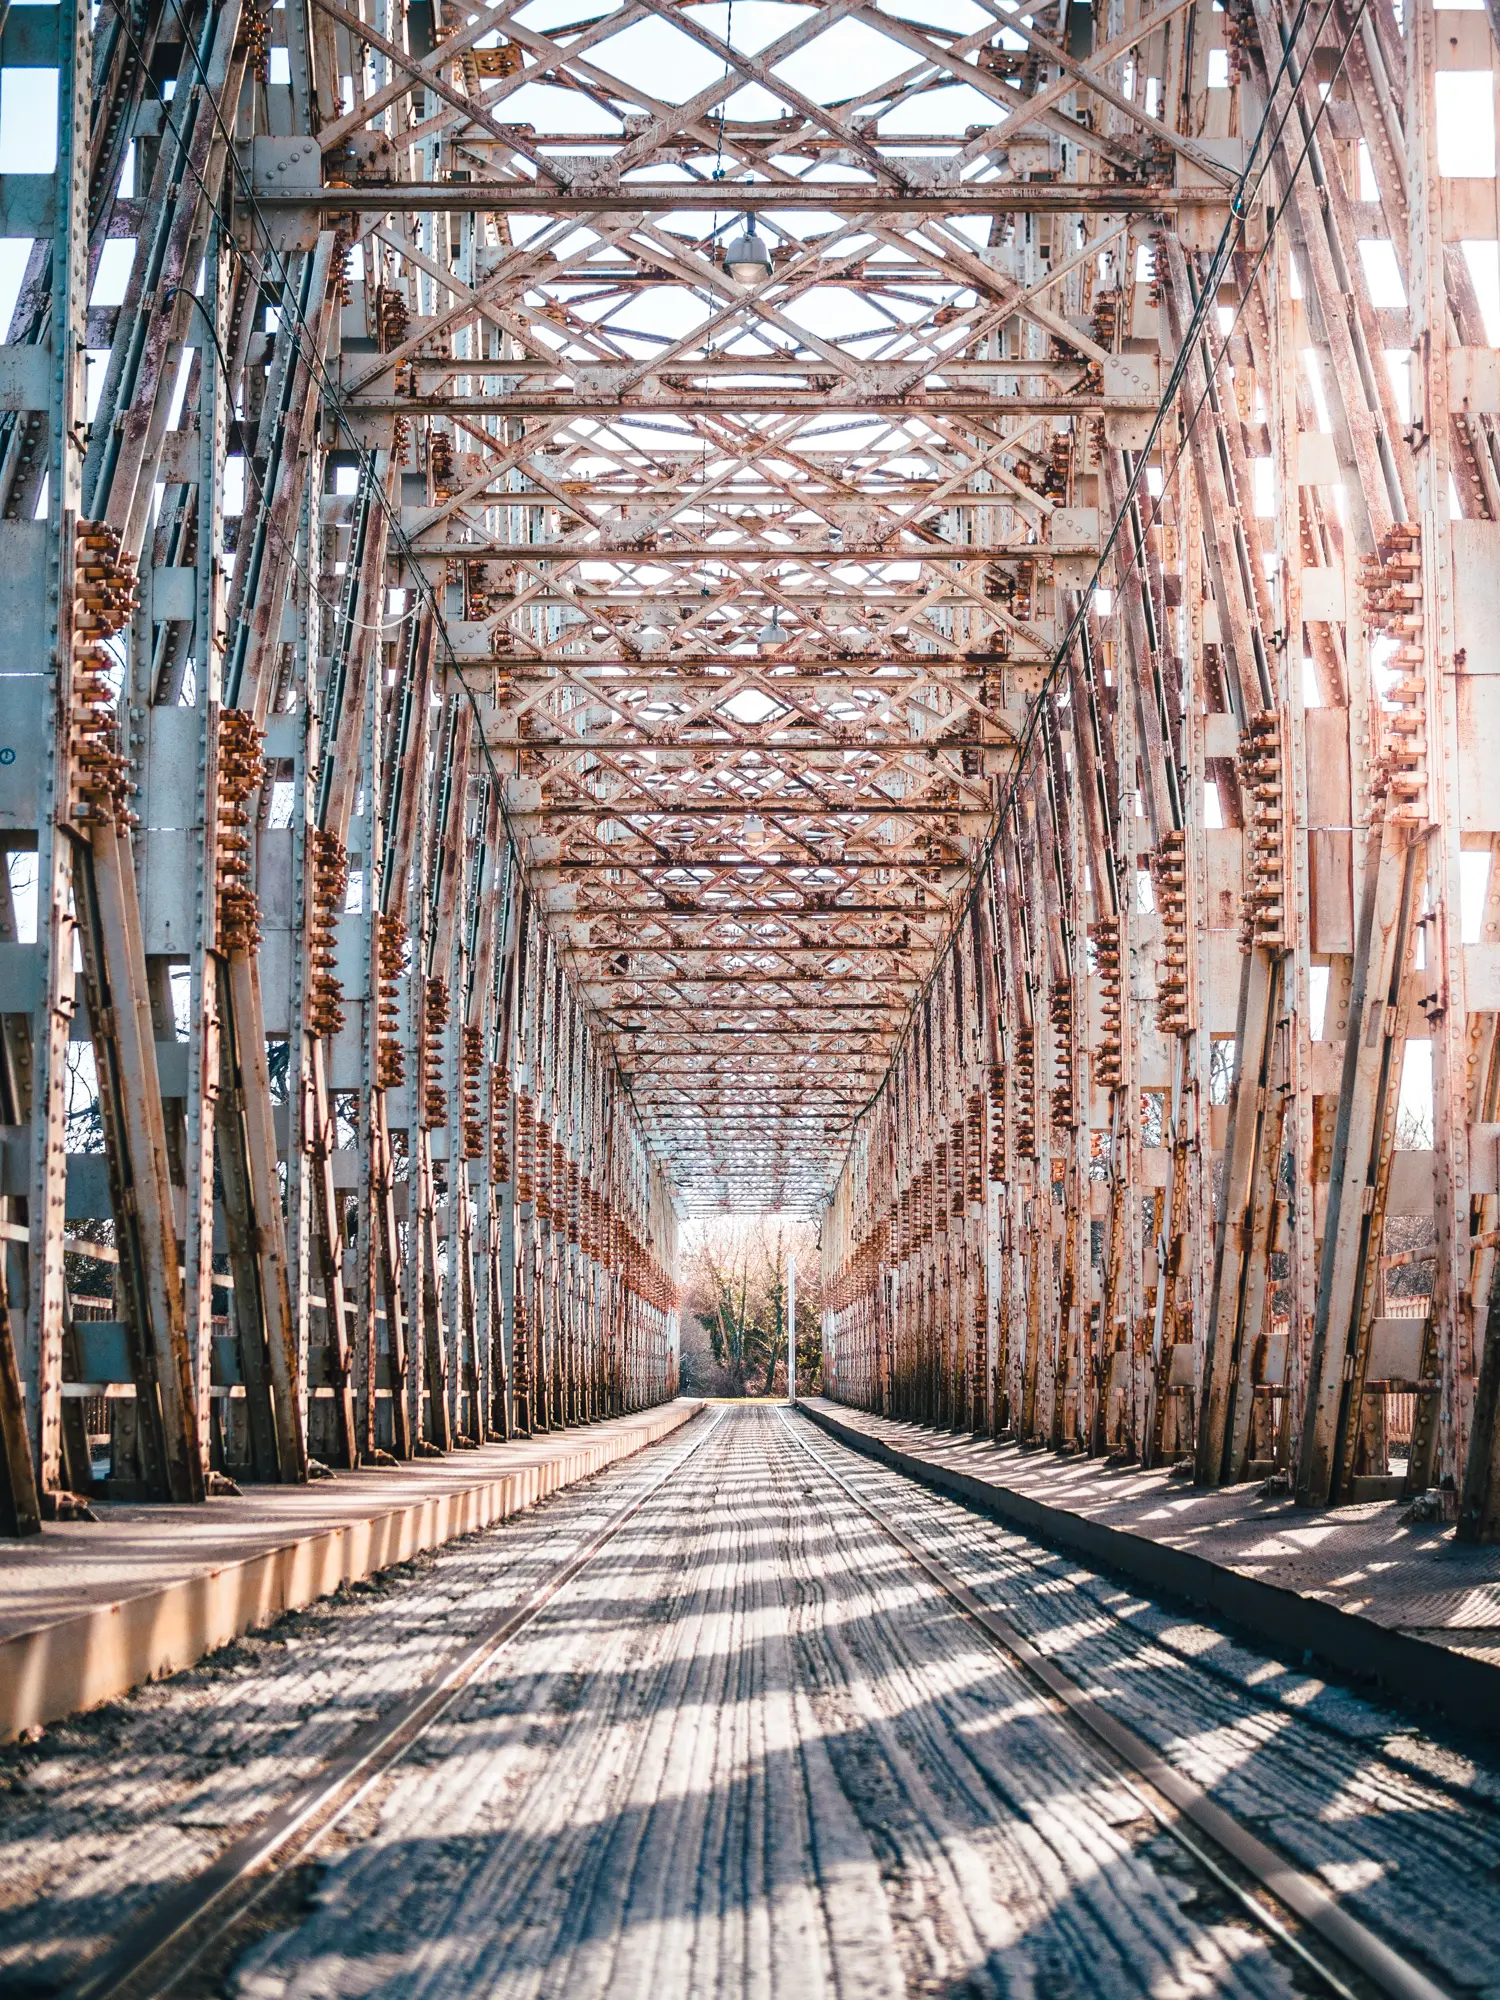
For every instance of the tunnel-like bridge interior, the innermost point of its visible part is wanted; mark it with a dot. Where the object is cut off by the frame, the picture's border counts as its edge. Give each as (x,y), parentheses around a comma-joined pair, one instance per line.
(618,619)
(872,615)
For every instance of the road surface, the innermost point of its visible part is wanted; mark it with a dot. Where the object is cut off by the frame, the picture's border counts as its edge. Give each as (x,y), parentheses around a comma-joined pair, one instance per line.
(750,1749)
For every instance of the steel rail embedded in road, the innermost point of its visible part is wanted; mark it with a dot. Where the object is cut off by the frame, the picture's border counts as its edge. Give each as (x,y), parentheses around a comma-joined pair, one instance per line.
(1307,1900)
(154,1952)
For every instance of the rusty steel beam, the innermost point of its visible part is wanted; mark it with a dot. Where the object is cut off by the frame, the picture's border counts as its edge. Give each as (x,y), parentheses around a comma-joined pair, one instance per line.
(519,197)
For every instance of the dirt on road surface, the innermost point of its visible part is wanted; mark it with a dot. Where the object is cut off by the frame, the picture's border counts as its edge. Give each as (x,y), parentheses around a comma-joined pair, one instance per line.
(750,1749)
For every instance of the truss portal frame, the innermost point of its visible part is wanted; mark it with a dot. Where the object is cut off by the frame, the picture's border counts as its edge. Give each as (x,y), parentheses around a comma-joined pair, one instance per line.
(646,614)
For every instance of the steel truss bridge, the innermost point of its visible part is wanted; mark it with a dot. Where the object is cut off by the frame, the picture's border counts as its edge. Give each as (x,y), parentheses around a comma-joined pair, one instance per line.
(612,614)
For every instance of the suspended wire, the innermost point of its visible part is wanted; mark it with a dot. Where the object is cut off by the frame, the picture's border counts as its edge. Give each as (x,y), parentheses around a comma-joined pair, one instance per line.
(1228,241)
(287,546)
(724,103)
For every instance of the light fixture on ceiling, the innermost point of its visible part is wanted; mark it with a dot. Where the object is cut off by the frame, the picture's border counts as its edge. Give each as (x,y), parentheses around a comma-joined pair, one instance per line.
(772,634)
(747,261)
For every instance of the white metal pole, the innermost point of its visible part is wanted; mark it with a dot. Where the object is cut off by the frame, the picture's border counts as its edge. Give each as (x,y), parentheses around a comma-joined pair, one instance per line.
(791,1329)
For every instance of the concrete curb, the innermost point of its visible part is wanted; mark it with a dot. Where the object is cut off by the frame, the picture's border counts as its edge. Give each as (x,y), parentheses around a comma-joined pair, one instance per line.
(99,1654)
(1460,1688)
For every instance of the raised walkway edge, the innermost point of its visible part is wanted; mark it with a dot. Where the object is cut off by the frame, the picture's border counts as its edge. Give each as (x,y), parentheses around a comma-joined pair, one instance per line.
(101,1651)
(1463,1689)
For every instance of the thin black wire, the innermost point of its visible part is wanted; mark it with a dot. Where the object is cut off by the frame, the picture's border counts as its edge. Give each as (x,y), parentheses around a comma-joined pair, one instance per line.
(1233,229)
(288,545)
(1228,332)
(724,103)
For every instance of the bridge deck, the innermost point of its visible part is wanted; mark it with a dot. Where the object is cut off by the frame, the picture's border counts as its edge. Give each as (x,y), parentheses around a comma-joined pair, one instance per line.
(1356,1585)
(89,1609)
(779,1723)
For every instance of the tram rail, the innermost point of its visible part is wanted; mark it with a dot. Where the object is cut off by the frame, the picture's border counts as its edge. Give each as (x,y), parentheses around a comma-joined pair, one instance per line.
(1171,1798)
(1295,1911)
(164,1944)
